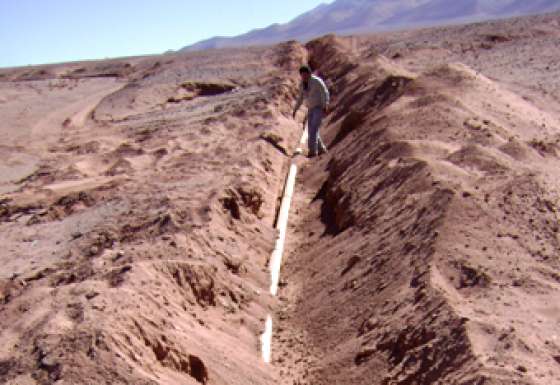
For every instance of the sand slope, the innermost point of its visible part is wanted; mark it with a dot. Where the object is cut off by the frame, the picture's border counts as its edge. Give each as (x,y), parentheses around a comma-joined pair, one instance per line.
(136,245)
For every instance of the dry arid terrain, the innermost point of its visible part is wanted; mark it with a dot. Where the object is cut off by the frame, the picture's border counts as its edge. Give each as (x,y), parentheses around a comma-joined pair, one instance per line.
(138,198)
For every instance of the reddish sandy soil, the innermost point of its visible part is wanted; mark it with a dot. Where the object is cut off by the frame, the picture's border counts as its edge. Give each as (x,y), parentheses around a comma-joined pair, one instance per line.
(138,198)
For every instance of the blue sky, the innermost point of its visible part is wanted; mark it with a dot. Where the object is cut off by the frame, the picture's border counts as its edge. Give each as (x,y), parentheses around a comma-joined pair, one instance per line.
(49,31)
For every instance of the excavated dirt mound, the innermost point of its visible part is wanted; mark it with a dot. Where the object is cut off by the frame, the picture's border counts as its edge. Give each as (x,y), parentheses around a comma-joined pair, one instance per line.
(425,245)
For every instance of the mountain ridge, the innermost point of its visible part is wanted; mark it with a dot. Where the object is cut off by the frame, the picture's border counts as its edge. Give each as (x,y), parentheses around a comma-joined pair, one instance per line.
(361,16)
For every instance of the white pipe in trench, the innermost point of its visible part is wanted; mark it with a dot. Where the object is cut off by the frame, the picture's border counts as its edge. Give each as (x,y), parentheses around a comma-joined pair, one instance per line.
(276,257)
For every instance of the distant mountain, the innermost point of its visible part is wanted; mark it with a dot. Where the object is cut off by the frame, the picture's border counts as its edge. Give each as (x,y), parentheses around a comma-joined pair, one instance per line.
(444,11)
(353,16)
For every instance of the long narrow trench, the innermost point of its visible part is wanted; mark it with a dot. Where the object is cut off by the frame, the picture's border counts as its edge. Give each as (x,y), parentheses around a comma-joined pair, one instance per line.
(275,263)
(290,340)
(284,344)
(294,355)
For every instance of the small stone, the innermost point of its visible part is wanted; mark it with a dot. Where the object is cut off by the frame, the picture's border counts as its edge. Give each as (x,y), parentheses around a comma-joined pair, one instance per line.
(118,255)
(369,325)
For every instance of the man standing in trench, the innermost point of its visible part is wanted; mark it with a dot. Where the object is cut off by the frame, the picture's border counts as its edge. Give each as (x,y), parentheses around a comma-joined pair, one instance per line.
(316,95)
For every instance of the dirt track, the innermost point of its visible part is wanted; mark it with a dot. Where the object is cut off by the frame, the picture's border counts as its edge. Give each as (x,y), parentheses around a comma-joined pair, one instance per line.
(423,249)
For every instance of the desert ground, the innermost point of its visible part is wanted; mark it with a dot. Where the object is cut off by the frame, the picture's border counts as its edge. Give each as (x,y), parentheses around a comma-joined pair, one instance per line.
(138,198)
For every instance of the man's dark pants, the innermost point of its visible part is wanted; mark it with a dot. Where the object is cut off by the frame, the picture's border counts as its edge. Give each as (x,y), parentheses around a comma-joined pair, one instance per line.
(314,141)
